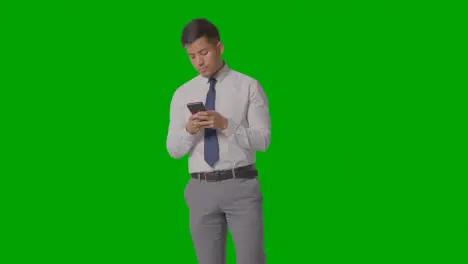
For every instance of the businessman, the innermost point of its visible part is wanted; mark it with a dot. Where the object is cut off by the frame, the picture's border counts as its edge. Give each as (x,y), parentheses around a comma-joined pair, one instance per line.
(223,192)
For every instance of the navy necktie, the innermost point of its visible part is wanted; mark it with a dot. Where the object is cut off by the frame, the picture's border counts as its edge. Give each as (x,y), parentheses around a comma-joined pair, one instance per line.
(211,138)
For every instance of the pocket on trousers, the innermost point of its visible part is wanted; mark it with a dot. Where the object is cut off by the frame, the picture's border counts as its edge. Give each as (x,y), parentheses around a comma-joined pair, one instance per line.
(250,188)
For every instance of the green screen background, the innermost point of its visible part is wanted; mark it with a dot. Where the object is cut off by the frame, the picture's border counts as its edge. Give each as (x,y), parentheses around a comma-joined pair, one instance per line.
(367,162)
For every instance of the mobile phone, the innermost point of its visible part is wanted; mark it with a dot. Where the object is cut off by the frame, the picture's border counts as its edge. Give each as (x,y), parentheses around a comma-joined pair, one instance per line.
(196,107)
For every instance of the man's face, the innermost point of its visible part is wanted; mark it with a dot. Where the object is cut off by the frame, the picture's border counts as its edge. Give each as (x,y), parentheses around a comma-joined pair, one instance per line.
(205,56)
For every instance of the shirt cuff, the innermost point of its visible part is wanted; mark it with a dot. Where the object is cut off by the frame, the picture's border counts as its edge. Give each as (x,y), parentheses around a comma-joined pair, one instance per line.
(230,130)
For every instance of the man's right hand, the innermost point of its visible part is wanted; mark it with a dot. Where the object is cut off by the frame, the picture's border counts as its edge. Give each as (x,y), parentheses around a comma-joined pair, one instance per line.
(192,126)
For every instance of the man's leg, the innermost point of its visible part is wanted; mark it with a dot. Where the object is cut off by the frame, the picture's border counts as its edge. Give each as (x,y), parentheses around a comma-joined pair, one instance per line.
(245,220)
(207,222)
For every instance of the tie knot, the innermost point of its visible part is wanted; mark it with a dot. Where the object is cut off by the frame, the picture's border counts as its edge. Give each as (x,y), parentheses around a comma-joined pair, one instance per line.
(212,80)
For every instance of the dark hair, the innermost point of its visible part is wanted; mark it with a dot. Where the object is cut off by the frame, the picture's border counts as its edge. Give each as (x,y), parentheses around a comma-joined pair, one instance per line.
(199,28)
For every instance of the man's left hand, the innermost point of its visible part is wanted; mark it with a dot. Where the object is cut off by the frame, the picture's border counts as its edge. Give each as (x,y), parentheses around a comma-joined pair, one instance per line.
(211,119)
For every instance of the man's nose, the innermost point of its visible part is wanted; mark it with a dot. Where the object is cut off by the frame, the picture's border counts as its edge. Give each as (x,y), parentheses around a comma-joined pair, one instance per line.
(200,61)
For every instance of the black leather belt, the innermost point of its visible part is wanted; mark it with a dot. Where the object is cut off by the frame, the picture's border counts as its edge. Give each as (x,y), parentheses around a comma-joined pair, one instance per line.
(245,172)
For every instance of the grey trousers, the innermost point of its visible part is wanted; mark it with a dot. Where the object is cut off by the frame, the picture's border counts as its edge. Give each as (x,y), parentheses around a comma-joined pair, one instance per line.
(215,207)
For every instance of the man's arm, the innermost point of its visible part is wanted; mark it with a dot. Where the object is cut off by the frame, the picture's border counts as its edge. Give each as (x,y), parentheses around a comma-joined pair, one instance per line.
(179,141)
(257,135)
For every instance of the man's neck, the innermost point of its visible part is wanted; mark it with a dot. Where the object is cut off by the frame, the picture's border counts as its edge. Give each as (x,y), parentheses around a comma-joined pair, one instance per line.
(218,70)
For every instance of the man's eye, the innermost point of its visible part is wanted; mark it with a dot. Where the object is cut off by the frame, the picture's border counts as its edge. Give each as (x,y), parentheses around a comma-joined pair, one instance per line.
(204,52)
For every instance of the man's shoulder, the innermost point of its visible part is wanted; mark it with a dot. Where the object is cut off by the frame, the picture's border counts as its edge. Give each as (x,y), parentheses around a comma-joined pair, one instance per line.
(246,82)
(243,77)
(186,87)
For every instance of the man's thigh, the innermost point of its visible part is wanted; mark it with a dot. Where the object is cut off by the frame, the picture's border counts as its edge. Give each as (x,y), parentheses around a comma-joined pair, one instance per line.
(244,215)
(207,222)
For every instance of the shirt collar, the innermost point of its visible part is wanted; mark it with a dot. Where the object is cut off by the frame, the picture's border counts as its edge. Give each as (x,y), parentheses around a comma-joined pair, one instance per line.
(221,74)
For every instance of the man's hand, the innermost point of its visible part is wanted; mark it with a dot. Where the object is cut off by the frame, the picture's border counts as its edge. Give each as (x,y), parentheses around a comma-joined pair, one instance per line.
(208,119)
(192,126)
(211,119)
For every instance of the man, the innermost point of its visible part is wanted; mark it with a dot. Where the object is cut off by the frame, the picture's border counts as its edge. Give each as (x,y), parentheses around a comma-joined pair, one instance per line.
(223,191)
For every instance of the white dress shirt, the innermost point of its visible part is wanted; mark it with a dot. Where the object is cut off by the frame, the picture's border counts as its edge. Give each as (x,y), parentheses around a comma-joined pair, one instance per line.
(241,100)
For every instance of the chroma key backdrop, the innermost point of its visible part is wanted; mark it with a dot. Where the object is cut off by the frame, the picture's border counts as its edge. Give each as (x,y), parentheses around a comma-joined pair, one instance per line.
(367,162)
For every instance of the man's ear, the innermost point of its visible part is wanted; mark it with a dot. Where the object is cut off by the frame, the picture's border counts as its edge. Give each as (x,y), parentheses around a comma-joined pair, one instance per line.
(220,47)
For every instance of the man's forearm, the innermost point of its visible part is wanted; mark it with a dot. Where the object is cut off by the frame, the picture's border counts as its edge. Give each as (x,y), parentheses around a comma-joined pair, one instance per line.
(180,142)
(253,138)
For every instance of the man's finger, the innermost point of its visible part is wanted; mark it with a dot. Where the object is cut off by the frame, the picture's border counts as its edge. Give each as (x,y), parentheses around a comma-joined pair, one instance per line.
(195,115)
(205,123)
(205,118)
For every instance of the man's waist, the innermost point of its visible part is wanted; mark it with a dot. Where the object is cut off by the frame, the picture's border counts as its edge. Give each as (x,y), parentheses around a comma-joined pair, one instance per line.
(248,171)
